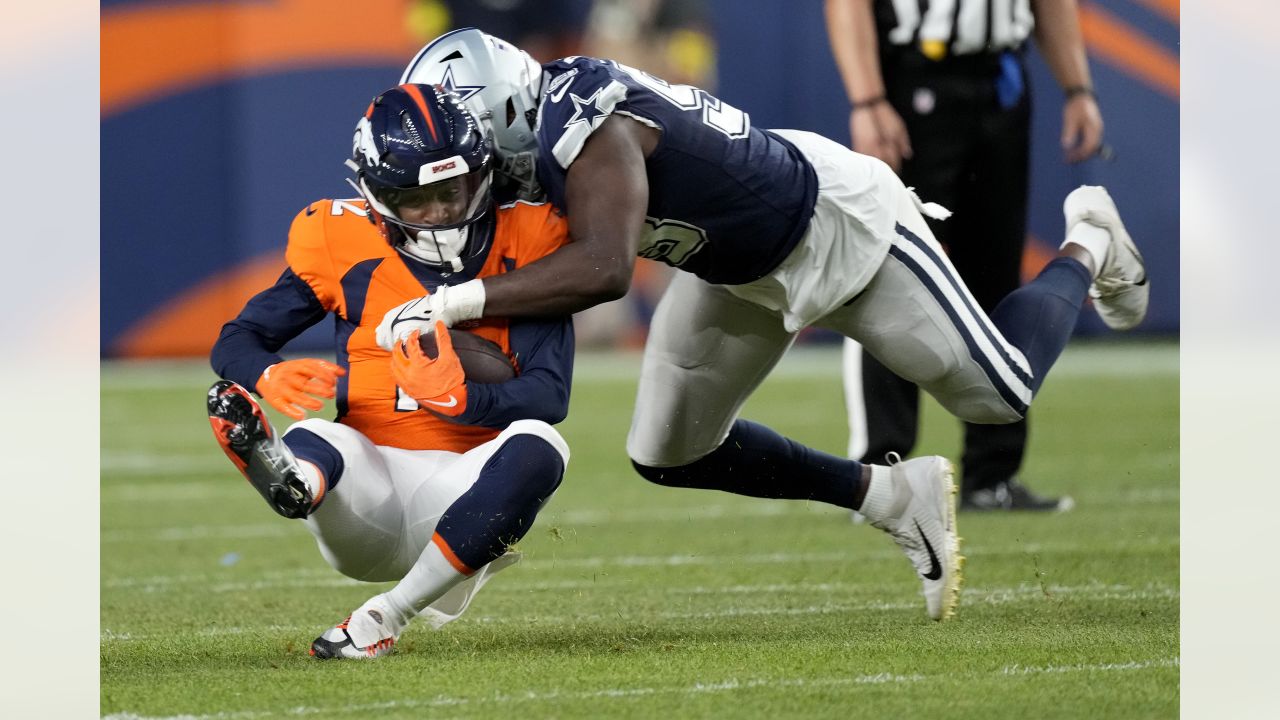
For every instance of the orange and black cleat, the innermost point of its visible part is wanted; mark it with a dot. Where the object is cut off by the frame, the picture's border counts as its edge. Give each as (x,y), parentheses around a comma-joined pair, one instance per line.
(245,435)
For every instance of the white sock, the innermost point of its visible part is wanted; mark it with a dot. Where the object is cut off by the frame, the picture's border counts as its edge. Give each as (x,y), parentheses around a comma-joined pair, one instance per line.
(373,621)
(429,578)
(882,500)
(1093,239)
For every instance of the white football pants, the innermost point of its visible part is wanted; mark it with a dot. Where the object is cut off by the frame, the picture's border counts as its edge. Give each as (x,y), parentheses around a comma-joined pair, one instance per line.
(376,522)
(710,346)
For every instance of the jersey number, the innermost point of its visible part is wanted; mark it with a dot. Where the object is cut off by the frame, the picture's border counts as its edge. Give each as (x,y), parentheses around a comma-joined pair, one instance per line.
(717,115)
(670,241)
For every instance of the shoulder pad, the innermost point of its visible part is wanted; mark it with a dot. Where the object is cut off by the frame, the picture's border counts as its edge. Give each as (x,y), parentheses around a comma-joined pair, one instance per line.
(574,105)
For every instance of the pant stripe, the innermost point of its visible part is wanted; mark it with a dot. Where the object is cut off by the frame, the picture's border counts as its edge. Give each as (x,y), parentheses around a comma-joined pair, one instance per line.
(1004,365)
(1011,355)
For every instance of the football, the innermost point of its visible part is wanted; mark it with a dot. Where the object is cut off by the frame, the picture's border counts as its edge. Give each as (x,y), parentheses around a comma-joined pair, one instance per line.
(482,359)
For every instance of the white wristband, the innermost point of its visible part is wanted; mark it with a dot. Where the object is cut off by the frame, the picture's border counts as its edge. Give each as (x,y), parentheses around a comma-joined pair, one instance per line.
(465,301)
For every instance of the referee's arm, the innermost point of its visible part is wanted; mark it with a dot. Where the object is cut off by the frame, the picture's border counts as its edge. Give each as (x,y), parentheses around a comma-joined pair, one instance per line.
(1057,33)
(875,127)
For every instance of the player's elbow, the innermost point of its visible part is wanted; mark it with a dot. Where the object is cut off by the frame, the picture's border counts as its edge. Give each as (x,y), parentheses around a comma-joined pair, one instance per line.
(223,352)
(557,407)
(611,282)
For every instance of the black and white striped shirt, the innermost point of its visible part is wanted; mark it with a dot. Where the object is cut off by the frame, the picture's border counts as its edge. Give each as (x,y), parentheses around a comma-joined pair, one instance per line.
(955,27)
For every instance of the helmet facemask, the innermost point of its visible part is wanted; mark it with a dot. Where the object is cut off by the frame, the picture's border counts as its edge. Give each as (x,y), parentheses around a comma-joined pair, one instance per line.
(435,219)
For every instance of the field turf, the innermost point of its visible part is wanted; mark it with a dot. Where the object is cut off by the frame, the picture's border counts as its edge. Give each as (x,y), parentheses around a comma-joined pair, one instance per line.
(640,601)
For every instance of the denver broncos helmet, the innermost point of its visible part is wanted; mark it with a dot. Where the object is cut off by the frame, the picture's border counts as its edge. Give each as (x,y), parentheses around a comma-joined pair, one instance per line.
(424,165)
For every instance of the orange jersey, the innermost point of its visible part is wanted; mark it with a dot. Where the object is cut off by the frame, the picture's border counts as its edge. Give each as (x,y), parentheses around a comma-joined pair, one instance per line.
(358,277)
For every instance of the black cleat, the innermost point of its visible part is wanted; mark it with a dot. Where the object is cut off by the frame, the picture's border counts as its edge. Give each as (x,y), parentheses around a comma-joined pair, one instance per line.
(1012,495)
(245,435)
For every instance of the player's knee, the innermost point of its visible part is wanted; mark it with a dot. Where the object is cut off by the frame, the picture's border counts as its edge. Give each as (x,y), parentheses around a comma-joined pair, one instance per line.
(663,456)
(683,475)
(542,431)
(537,455)
(663,449)
(655,475)
(991,412)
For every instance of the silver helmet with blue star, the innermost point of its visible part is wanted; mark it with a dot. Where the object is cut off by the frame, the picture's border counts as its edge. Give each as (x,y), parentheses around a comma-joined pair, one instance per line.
(500,83)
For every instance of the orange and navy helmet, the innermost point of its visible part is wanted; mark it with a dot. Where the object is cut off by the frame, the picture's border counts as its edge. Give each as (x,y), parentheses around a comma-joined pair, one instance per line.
(423,164)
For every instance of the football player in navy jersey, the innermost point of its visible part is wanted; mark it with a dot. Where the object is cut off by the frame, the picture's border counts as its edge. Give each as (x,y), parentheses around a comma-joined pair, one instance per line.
(776,230)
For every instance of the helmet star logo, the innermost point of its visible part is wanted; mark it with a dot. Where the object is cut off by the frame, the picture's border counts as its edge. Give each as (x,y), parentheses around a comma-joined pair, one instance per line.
(464,92)
(586,110)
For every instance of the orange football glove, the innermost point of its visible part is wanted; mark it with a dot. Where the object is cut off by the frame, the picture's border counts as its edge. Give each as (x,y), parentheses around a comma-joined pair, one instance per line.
(290,385)
(438,385)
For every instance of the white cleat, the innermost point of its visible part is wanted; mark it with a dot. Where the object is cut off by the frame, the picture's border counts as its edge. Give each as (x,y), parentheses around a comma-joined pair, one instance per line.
(369,632)
(925,529)
(1120,292)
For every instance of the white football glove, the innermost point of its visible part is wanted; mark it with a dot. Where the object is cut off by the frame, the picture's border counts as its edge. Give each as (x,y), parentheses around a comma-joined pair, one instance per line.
(449,304)
(402,320)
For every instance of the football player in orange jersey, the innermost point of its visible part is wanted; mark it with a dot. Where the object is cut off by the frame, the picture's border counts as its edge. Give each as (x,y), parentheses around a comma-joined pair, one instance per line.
(393,491)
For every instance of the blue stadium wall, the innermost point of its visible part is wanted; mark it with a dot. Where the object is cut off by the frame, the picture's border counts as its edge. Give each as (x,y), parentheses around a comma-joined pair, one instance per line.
(201,175)
(775,63)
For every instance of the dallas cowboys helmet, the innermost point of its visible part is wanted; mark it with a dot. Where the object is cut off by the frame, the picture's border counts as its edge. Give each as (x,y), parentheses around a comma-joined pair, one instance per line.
(500,83)
(423,165)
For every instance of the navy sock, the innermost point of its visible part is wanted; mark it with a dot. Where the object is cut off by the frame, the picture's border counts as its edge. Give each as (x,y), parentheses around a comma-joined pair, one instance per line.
(1039,317)
(502,504)
(756,461)
(310,447)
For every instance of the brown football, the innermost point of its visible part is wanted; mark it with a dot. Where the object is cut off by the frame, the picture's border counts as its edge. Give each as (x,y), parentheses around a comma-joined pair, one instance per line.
(482,359)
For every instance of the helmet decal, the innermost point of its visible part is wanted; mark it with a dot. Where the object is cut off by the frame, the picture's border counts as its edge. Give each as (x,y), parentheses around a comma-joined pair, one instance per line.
(464,92)
(363,145)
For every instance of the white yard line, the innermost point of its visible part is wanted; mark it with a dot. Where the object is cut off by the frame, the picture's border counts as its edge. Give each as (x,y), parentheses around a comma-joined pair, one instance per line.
(974,596)
(133,493)
(141,462)
(695,689)
(548,560)
(221,488)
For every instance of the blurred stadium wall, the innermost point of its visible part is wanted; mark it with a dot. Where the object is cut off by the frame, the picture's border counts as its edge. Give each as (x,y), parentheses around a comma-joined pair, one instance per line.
(221,120)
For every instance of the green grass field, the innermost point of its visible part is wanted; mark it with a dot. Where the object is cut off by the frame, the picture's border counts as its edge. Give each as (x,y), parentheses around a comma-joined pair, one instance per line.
(641,601)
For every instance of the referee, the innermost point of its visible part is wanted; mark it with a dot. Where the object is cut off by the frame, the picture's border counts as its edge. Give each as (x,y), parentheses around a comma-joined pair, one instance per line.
(938,90)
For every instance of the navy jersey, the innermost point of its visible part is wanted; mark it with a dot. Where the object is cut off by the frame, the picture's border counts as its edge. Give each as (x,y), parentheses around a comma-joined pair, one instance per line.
(727,201)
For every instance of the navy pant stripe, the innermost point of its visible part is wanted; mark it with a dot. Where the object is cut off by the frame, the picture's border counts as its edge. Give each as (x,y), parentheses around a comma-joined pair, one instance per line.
(1008,394)
(993,336)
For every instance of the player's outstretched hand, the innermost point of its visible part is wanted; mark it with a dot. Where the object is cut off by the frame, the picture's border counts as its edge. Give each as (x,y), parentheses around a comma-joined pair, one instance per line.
(295,386)
(439,385)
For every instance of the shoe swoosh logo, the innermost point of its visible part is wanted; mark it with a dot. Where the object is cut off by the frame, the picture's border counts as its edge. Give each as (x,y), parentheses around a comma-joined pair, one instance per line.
(935,569)
(453,402)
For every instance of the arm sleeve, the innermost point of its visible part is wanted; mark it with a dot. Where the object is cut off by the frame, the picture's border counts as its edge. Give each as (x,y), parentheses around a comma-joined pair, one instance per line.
(544,351)
(248,344)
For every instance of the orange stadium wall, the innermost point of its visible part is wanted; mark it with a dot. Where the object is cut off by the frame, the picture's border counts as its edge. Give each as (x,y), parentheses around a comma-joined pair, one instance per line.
(220,120)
